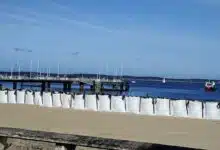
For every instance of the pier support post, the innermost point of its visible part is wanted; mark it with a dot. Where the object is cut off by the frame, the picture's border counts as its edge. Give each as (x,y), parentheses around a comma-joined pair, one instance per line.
(14,85)
(121,87)
(81,87)
(65,87)
(43,86)
(21,85)
(47,86)
(113,86)
(97,87)
(102,87)
(127,87)
(69,86)
(92,88)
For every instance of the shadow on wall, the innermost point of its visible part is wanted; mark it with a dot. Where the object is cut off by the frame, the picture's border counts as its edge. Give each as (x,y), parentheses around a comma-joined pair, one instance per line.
(162,147)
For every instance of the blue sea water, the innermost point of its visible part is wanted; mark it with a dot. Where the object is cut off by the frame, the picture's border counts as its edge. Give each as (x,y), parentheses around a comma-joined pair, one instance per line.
(180,90)
(172,90)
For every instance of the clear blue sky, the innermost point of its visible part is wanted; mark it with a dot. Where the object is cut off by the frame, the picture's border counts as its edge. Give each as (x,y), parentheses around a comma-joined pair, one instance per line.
(175,38)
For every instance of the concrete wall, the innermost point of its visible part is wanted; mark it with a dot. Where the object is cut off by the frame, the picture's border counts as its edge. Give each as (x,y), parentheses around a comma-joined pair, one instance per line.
(136,105)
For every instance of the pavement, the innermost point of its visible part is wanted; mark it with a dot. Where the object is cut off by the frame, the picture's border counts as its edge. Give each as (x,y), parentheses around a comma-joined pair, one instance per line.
(193,133)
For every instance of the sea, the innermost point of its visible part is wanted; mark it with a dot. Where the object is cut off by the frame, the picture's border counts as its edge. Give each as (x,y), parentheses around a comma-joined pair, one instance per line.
(171,90)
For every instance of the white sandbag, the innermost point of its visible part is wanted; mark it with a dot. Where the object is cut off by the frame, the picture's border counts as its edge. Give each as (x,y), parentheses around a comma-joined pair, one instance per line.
(104,103)
(195,109)
(117,104)
(179,108)
(147,106)
(20,96)
(212,110)
(29,98)
(12,97)
(3,97)
(56,99)
(78,102)
(132,104)
(162,107)
(90,102)
(65,100)
(38,98)
(47,99)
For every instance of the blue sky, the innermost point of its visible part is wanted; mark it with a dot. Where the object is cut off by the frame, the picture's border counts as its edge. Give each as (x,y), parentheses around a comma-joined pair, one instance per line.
(144,37)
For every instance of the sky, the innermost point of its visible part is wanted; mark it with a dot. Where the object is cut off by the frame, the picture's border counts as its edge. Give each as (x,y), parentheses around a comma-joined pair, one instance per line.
(171,38)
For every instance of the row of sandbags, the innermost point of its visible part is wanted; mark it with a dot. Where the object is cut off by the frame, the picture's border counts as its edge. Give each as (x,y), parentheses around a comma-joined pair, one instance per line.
(137,105)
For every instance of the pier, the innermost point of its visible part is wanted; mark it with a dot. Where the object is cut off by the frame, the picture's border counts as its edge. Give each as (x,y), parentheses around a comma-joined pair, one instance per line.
(97,85)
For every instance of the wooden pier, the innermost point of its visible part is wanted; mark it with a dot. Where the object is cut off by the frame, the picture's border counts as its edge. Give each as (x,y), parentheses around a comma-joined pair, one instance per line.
(96,85)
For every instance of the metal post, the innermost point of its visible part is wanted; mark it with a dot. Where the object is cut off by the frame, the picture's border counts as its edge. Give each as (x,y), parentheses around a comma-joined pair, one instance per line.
(49,71)
(81,84)
(69,86)
(58,69)
(121,70)
(40,73)
(43,86)
(30,68)
(38,65)
(11,72)
(14,85)
(107,71)
(19,71)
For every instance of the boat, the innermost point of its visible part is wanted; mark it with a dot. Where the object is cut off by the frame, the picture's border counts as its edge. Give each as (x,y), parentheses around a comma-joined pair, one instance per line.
(133,81)
(210,86)
(164,80)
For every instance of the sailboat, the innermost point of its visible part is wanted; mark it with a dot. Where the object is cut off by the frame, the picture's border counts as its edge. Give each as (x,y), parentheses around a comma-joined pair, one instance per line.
(164,80)
(133,81)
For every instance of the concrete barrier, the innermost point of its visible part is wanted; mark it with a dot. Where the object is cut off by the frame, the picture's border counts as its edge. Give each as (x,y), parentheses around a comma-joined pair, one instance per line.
(137,105)
(38,98)
(56,99)
(90,102)
(65,100)
(212,110)
(78,102)
(104,103)
(3,97)
(47,99)
(147,106)
(195,109)
(29,98)
(179,108)
(117,104)
(162,107)
(11,97)
(132,104)
(20,96)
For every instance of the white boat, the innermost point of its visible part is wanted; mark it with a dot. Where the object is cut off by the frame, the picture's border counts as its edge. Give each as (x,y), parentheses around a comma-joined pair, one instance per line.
(164,80)
(133,81)
(210,86)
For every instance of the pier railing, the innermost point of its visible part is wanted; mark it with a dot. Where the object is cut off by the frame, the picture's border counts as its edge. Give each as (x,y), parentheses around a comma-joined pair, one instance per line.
(57,78)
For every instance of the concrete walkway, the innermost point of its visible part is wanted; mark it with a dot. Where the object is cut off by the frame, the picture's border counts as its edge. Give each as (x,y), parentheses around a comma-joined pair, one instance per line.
(194,133)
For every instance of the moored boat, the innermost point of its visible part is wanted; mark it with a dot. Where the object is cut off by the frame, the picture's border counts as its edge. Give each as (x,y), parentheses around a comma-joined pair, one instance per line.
(164,80)
(210,86)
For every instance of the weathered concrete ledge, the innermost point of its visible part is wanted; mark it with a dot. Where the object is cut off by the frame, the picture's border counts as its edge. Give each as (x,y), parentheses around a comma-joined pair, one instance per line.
(115,130)
(78,140)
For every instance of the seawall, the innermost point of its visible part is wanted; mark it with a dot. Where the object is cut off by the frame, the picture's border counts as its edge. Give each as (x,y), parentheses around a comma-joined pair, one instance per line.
(105,103)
